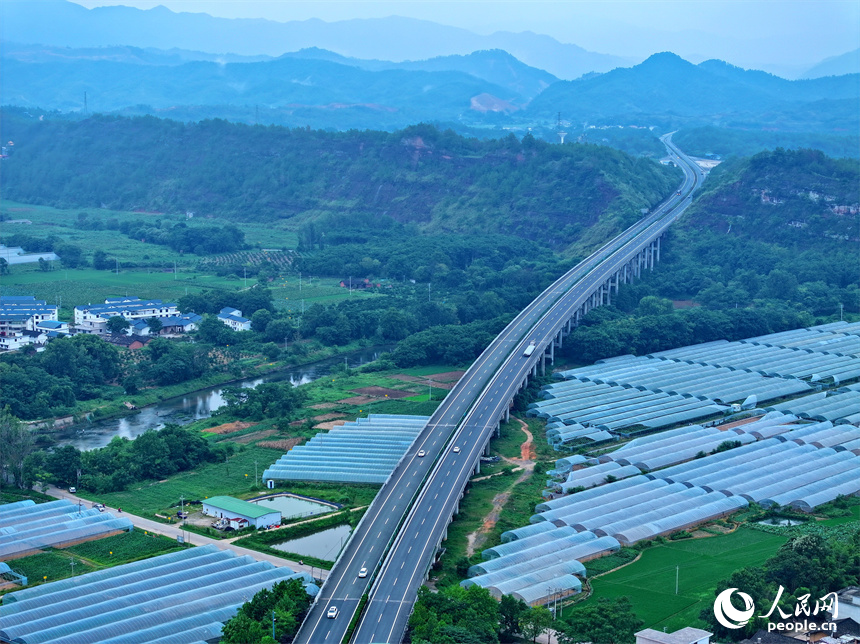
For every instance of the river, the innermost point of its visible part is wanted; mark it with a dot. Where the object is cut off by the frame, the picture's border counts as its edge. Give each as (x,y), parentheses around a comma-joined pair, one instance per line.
(199,404)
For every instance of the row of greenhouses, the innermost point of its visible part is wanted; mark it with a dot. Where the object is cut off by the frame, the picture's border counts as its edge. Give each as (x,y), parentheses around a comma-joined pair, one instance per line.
(179,598)
(364,451)
(27,528)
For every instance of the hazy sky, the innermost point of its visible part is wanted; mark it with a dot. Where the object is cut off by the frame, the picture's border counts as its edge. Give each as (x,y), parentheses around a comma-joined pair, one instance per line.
(744,32)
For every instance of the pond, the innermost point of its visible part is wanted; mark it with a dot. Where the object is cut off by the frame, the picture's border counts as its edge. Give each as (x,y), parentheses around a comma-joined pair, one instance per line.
(200,404)
(292,507)
(322,545)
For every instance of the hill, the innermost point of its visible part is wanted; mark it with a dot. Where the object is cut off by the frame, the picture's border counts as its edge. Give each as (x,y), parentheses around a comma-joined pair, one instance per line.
(63,23)
(847,63)
(798,198)
(395,97)
(669,91)
(436,180)
(780,226)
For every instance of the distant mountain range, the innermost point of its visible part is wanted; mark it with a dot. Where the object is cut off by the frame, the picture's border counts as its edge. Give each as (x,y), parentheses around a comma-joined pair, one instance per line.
(63,23)
(847,63)
(488,88)
(670,91)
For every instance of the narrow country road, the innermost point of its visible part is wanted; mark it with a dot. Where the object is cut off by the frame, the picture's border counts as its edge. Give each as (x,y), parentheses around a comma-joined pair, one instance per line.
(173,531)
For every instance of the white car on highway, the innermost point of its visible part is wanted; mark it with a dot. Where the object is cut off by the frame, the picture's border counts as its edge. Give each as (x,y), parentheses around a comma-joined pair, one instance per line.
(332,612)
(362,573)
(421,453)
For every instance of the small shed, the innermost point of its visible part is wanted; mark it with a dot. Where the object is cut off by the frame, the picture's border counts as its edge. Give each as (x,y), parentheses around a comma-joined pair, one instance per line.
(237,511)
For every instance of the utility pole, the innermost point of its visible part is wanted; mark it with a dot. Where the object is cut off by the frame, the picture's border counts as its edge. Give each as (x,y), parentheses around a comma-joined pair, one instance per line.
(300,281)
(273,624)
(72,563)
(174,269)
(677,573)
(117,265)
(255,472)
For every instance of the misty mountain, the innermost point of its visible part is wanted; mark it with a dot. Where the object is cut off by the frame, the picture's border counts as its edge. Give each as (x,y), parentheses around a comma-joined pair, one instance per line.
(63,23)
(847,63)
(29,53)
(667,90)
(287,82)
(496,66)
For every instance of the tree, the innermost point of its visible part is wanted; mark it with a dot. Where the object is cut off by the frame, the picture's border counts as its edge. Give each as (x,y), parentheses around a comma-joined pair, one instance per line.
(253,623)
(511,610)
(64,465)
(534,622)
(100,260)
(214,331)
(117,324)
(71,255)
(154,325)
(16,443)
(280,330)
(608,621)
(260,320)
(652,305)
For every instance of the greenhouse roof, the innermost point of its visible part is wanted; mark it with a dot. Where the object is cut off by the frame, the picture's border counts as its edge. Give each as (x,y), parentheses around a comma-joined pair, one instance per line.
(182,598)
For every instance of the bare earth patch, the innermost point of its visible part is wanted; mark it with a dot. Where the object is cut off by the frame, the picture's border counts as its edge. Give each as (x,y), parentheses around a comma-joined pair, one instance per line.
(285,444)
(323,406)
(477,539)
(229,428)
(330,416)
(382,392)
(358,400)
(738,423)
(248,438)
(330,425)
(447,376)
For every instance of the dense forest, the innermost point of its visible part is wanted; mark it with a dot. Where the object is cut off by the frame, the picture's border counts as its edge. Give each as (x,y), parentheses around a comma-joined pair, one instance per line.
(438,180)
(770,244)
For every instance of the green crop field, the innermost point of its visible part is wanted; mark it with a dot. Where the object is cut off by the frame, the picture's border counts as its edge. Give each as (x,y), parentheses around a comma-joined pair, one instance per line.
(52,564)
(49,566)
(123,548)
(233,478)
(78,286)
(214,479)
(700,564)
(48,221)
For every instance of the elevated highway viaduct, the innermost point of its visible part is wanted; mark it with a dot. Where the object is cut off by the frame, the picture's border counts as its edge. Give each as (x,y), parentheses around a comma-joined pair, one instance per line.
(399,535)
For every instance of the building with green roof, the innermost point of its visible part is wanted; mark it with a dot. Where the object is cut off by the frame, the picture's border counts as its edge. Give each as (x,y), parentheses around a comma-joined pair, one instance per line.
(243,512)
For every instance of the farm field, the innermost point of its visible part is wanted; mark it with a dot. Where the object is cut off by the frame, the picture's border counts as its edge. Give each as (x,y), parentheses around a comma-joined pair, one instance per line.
(61,222)
(233,478)
(702,563)
(55,564)
(84,285)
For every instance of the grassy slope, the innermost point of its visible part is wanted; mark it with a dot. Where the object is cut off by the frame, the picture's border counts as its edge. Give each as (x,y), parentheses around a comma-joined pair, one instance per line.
(650,582)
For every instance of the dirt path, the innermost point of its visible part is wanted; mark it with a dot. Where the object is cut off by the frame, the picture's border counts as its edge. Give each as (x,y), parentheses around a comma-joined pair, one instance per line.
(526,461)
